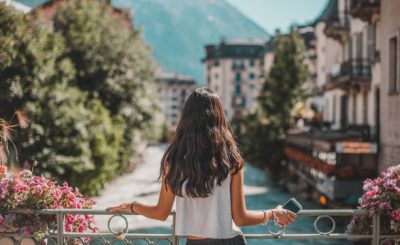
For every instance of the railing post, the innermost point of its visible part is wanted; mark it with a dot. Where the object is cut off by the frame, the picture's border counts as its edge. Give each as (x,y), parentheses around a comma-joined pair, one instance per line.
(176,239)
(375,229)
(60,228)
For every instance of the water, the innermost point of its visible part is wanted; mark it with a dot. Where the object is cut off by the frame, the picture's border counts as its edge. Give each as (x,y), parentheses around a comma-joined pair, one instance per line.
(260,194)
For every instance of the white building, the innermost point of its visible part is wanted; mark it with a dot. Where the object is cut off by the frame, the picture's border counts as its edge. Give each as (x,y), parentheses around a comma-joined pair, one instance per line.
(173,89)
(18,6)
(235,71)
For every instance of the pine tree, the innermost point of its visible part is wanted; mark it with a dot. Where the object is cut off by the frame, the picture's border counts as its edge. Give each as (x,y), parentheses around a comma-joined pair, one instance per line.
(262,140)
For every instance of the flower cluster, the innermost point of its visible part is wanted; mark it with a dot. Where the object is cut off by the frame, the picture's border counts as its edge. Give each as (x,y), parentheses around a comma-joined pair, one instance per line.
(25,191)
(381,196)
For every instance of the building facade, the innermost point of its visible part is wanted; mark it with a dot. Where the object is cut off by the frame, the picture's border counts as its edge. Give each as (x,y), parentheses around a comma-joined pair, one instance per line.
(46,12)
(17,6)
(389,40)
(335,157)
(235,71)
(173,89)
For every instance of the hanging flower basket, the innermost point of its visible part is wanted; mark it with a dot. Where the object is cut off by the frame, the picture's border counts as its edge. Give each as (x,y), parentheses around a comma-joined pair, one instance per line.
(22,191)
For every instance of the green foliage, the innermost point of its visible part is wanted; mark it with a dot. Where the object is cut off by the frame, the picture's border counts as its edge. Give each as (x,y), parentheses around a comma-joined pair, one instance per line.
(88,87)
(261,133)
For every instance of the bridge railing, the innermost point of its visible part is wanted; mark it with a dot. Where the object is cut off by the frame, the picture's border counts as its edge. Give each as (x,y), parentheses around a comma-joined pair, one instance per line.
(58,236)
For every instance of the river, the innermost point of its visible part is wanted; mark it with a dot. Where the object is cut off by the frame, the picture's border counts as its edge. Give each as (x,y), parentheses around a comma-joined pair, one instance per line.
(142,185)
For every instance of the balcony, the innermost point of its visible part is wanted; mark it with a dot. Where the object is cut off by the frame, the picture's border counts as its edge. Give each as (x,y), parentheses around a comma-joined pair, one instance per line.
(352,73)
(364,9)
(238,66)
(338,27)
(333,162)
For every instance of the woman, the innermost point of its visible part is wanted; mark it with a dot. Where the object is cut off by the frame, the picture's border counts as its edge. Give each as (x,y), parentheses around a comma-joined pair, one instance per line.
(203,169)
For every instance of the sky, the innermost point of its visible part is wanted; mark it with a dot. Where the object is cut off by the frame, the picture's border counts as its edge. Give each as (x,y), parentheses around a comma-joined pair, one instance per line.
(272,14)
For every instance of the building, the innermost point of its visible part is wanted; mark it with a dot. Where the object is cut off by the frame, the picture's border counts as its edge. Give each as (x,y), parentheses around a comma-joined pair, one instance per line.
(17,6)
(335,156)
(389,40)
(235,71)
(173,89)
(45,14)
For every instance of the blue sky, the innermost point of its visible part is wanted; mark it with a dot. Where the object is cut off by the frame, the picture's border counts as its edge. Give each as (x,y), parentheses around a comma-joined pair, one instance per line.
(272,14)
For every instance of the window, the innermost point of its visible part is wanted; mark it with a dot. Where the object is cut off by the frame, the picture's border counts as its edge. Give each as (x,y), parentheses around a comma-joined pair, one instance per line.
(216,63)
(359,43)
(238,89)
(393,63)
(216,88)
(238,77)
(251,75)
(334,109)
(354,108)
(252,86)
(365,108)
(371,41)
(251,62)
(216,76)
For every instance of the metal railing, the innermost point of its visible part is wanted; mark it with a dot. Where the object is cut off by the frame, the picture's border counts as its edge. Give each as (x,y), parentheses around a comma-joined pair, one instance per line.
(353,70)
(59,236)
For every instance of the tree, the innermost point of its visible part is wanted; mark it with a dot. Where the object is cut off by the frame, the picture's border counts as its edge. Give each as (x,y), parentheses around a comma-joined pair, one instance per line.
(113,65)
(88,87)
(262,137)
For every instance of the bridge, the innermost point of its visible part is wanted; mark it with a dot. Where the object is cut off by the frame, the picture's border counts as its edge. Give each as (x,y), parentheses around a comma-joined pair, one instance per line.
(58,236)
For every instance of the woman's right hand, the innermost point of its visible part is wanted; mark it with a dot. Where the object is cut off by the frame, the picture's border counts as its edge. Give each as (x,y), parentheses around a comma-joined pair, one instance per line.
(284,216)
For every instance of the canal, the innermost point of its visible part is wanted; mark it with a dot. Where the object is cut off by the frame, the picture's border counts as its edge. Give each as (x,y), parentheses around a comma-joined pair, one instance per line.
(260,193)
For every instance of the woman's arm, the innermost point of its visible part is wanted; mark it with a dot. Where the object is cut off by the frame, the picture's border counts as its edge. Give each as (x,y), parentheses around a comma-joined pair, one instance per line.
(160,211)
(243,217)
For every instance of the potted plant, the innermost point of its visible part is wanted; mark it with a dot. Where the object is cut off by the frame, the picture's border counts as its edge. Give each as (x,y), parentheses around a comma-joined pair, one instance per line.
(23,190)
(381,196)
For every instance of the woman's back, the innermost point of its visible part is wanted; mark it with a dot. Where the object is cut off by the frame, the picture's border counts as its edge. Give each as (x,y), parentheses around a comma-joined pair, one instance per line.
(206,217)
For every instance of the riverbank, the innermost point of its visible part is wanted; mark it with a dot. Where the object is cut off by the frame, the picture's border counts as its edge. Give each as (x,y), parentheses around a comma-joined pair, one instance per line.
(143,185)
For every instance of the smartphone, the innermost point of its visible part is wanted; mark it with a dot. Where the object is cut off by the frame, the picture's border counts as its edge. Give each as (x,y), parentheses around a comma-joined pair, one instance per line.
(292,205)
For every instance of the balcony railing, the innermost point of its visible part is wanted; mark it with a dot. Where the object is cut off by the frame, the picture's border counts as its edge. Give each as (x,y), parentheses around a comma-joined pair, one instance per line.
(364,9)
(59,236)
(238,66)
(354,72)
(338,27)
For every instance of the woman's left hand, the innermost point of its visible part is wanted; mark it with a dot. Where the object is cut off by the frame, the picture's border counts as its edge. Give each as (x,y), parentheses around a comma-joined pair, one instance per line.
(122,208)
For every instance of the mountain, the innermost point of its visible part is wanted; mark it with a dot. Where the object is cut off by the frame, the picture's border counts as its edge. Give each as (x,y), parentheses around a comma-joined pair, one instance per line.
(177,30)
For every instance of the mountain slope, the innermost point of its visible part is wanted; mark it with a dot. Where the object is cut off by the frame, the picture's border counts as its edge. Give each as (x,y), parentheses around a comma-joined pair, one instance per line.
(177,30)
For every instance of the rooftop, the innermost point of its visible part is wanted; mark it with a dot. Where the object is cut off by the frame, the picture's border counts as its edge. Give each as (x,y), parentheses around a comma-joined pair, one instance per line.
(18,6)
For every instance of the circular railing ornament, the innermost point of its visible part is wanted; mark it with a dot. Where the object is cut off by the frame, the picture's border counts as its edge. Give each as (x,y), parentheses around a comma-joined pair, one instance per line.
(51,241)
(27,241)
(327,232)
(125,241)
(277,234)
(123,231)
(7,240)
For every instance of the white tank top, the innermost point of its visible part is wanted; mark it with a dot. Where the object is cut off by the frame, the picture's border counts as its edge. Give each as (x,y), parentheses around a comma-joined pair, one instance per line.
(208,217)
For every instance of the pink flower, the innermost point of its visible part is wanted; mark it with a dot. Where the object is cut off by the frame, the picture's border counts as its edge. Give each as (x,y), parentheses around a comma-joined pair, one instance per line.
(395,215)
(26,231)
(3,170)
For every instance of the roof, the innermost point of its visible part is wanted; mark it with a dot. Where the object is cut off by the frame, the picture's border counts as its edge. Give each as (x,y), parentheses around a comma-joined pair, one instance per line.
(18,6)
(330,10)
(236,48)
(49,8)
(172,77)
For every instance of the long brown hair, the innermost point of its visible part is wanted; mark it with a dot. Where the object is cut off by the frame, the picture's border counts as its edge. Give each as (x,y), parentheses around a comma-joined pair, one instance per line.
(203,149)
